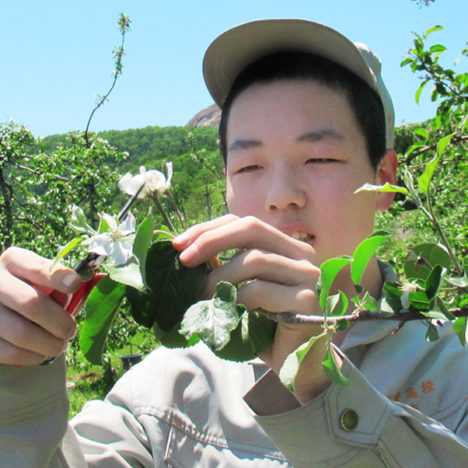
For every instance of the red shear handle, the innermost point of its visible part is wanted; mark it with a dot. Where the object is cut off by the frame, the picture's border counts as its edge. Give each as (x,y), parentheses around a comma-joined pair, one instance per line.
(73,302)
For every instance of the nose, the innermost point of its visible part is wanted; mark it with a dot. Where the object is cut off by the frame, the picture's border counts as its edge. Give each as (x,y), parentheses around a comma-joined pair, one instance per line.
(285,191)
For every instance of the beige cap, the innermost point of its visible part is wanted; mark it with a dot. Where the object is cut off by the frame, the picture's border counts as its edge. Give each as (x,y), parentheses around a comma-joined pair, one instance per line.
(236,48)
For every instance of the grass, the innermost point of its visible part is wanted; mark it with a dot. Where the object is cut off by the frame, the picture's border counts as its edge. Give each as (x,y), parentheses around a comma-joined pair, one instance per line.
(87,381)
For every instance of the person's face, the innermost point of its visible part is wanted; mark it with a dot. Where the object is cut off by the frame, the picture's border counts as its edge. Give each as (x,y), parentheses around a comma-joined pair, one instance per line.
(295,156)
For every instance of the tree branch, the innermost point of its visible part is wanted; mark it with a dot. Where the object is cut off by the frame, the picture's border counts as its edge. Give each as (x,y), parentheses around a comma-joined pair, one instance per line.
(6,193)
(32,171)
(414,154)
(358,316)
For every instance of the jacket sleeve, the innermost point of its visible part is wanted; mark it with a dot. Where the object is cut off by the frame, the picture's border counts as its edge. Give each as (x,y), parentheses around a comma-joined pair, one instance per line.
(110,435)
(34,431)
(357,426)
(33,415)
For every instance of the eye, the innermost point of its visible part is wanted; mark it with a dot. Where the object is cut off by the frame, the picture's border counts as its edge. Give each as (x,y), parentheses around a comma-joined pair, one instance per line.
(250,168)
(320,161)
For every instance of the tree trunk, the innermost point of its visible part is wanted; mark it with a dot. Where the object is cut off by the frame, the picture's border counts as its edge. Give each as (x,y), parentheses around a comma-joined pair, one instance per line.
(8,228)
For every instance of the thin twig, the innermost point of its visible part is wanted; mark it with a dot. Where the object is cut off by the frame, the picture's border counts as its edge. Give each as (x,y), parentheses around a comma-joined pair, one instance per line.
(32,171)
(163,213)
(117,73)
(424,149)
(363,315)
(176,209)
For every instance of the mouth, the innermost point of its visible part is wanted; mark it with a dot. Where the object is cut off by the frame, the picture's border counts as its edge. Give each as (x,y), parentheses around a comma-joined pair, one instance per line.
(302,236)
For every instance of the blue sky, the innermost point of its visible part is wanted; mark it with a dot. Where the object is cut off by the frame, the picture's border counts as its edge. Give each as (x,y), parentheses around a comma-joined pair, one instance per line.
(57,55)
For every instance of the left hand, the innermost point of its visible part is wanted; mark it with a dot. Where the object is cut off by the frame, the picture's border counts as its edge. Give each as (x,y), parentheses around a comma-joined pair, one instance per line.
(280,276)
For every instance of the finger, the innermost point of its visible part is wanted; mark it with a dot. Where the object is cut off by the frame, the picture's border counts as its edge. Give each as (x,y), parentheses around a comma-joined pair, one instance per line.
(38,270)
(14,356)
(267,266)
(183,240)
(36,306)
(27,336)
(243,233)
(275,297)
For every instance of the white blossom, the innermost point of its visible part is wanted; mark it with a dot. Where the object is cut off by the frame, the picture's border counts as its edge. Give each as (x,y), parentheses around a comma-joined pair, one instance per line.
(408,288)
(155,182)
(117,243)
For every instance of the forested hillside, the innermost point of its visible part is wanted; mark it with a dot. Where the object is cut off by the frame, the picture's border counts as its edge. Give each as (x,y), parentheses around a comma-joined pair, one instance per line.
(197,179)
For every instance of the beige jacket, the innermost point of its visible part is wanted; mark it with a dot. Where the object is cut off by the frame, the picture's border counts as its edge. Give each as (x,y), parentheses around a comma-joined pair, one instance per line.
(406,406)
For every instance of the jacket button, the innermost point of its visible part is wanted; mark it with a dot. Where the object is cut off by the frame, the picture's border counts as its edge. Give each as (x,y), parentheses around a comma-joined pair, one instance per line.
(349,420)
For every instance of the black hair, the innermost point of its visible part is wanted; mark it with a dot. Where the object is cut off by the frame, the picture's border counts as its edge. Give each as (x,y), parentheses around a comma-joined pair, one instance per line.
(364,101)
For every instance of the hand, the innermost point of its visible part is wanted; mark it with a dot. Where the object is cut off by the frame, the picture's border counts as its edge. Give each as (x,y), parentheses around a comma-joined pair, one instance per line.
(33,326)
(279,275)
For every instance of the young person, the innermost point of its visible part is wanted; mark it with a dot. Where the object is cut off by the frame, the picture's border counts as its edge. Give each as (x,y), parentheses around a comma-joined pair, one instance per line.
(306,121)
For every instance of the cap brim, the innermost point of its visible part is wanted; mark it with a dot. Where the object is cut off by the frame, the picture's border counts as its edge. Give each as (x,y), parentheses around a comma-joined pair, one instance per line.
(233,50)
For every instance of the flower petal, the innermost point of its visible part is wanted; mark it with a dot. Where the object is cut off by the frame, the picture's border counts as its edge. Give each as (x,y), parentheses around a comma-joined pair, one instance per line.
(169,174)
(101,244)
(128,225)
(124,182)
(122,250)
(155,180)
(110,220)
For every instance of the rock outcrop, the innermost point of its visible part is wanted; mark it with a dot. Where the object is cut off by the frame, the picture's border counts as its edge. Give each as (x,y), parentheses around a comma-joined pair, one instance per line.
(208,117)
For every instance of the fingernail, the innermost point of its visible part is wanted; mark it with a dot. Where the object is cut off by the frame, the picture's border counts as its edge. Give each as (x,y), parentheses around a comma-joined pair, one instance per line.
(181,239)
(189,254)
(68,280)
(74,332)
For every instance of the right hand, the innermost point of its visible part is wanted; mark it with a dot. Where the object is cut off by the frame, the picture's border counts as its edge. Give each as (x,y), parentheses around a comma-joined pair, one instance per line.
(33,327)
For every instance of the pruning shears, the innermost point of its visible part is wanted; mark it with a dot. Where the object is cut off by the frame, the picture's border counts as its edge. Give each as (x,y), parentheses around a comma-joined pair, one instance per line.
(87,268)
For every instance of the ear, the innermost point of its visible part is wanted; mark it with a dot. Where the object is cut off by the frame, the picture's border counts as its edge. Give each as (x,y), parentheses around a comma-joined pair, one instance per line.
(386,172)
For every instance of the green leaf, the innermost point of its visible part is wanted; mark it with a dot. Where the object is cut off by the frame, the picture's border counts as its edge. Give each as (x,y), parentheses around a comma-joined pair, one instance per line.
(253,334)
(291,364)
(443,143)
(392,294)
(337,304)
(433,315)
(141,244)
(104,225)
(382,188)
(364,252)
(409,182)
(433,281)
(434,28)
(431,334)
(459,281)
(173,339)
(213,320)
(328,271)
(419,301)
(173,288)
(369,303)
(415,269)
(332,371)
(434,254)
(438,305)
(78,221)
(414,147)
(386,309)
(66,249)
(460,327)
(425,179)
(421,132)
(439,48)
(128,274)
(417,96)
(100,309)
(406,61)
